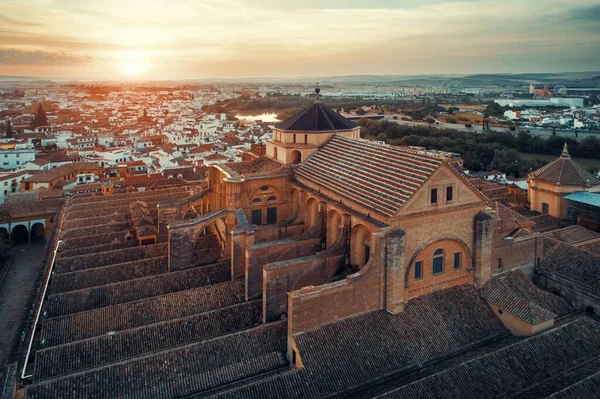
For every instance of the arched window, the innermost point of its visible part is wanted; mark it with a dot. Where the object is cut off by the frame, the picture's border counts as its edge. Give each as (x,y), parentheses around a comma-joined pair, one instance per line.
(438,262)
(272,198)
(256,200)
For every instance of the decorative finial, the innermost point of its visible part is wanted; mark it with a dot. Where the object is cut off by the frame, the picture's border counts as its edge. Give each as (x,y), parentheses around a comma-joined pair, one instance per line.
(317,91)
(565,153)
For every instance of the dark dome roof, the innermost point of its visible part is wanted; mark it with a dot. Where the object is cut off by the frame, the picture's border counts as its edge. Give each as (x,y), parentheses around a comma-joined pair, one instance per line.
(565,171)
(316,118)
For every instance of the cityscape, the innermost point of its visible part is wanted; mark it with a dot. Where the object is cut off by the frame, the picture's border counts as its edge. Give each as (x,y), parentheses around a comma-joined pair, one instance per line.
(317,200)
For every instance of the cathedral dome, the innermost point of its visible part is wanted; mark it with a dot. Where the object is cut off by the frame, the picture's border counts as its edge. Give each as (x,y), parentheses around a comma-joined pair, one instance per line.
(316,118)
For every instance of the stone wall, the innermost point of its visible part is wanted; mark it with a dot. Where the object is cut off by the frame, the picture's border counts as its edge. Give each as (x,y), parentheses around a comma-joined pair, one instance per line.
(259,255)
(579,297)
(282,277)
(509,254)
(276,232)
(360,292)
(183,236)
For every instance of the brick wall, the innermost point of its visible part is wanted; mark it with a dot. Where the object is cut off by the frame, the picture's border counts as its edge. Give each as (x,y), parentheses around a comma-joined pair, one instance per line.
(361,292)
(279,278)
(259,255)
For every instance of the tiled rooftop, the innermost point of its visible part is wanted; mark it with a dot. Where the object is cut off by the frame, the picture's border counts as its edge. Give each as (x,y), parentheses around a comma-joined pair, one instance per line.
(516,294)
(382,178)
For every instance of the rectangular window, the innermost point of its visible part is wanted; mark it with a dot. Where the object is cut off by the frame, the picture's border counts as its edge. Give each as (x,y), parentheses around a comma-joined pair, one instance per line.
(500,265)
(449,193)
(257,216)
(271,215)
(306,139)
(457,261)
(434,195)
(294,138)
(418,270)
(438,265)
(545,208)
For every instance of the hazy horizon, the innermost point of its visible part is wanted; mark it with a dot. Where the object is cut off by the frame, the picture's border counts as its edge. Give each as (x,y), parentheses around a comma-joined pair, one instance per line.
(254,39)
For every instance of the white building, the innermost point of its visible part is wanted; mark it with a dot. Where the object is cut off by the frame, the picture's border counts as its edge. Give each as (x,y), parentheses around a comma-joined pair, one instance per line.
(15,158)
(11,183)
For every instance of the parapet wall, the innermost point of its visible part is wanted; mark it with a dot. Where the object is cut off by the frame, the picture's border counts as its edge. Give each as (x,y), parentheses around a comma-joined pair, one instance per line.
(282,277)
(258,255)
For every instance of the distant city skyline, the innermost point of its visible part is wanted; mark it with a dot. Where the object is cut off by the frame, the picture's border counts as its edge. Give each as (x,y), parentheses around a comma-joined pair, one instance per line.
(189,39)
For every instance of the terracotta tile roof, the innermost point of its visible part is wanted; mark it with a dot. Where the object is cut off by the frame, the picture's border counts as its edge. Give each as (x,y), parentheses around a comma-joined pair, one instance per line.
(572,234)
(46,176)
(122,345)
(256,166)
(136,289)
(316,118)
(574,264)
(566,171)
(92,323)
(382,178)
(516,369)
(514,293)
(361,350)
(545,222)
(207,364)
(508,220)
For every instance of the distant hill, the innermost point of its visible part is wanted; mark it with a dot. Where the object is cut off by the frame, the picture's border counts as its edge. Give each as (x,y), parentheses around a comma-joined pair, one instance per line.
(568,79)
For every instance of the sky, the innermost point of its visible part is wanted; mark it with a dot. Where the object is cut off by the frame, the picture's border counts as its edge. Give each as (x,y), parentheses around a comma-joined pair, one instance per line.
(194,39)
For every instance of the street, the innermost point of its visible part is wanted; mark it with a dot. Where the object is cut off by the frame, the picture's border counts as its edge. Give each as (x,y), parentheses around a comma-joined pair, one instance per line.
(14,295)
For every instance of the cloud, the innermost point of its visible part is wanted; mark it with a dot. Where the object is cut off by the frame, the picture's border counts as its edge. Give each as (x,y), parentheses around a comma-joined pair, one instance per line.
(17,22)
(21,57)
(591,13)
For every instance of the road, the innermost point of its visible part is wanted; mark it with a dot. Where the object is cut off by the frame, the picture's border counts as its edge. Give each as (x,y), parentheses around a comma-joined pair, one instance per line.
(14,295)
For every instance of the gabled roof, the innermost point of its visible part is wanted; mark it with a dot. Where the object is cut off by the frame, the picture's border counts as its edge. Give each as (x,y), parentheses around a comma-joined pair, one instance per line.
(514,293)
(380,177)
(508,220)
(575,264)
(565,171)
(316,118)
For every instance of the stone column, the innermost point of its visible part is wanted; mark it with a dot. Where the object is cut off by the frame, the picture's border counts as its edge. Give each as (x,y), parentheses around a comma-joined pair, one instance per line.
(392,251)
(241,239)
(482,248)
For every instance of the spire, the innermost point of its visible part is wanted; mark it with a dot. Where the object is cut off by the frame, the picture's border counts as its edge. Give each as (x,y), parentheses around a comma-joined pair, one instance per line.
(565,153)
(317,91)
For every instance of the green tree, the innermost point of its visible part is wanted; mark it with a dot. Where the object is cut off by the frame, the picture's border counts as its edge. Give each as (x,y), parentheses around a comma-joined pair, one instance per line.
(40,117)
(9,132)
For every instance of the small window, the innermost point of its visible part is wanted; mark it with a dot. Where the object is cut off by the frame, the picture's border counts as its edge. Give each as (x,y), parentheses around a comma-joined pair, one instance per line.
(264,188)
(272,198)
(418,270)
(500,265)
(306,139)
(294,138)
(449,194)
(457,261)
(434,195)
(438,262)
(256,200)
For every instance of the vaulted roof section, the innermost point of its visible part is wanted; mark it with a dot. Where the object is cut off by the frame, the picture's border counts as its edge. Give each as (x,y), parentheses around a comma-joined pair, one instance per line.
(316,118)
(379,177)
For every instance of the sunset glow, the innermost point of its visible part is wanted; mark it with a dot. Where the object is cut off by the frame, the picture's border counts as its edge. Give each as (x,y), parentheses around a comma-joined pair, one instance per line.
(256,38)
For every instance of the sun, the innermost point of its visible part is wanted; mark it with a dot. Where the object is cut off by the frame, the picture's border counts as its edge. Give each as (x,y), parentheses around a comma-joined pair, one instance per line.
(132,67)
